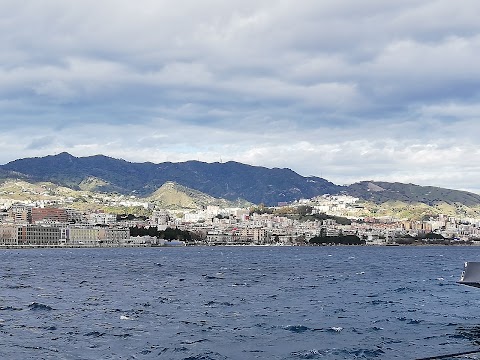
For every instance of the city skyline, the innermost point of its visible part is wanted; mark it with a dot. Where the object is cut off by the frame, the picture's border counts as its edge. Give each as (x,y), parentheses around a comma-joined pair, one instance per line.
(346,91)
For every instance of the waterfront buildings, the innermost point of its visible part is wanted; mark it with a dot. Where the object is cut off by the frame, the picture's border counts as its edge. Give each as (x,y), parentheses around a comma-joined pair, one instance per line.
(21,225)
(30,226)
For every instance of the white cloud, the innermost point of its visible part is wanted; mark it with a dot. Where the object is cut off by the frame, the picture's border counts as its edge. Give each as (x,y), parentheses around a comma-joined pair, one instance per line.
(346,90)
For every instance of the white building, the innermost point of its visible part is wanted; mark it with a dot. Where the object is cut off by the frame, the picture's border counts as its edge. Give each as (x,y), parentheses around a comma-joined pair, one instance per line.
(102,218)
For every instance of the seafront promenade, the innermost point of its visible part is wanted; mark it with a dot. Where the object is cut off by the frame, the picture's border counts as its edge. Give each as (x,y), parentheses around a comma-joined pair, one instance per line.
(71,246)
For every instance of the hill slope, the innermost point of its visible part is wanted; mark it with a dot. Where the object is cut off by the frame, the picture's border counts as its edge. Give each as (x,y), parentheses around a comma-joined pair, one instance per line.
(381,192)
(173,196)
(169,196)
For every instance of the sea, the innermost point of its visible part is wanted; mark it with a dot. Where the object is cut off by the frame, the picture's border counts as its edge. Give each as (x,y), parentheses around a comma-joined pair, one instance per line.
(245,302)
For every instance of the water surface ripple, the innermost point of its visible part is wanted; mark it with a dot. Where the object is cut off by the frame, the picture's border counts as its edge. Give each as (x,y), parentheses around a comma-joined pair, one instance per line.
(201,303)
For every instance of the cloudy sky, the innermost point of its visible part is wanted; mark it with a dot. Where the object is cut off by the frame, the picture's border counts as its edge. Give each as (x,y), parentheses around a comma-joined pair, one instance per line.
(345,90)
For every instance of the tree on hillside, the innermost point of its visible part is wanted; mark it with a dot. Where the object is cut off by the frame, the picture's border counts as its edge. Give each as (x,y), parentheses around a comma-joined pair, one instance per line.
(304,210)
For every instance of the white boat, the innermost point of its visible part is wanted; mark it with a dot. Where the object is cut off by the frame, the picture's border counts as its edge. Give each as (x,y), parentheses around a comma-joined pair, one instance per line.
(471,274)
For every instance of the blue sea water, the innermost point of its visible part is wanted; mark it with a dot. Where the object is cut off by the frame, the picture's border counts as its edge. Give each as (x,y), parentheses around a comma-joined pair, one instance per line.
(200,303)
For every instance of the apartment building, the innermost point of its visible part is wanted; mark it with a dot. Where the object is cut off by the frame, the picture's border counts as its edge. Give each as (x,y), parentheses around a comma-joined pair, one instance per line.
(255,235)
(19,214)
(8,235)
(49,214)
(102,218)
(38,235)
(87,235)
(113,236)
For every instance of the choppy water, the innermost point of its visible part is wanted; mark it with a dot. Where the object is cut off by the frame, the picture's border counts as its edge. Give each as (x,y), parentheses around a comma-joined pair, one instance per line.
(237,303)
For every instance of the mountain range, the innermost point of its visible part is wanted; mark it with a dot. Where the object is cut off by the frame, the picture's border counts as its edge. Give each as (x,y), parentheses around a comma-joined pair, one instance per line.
(231,181)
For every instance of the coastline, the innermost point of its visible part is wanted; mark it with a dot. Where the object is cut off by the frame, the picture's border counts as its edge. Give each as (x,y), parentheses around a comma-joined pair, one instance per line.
(19,247)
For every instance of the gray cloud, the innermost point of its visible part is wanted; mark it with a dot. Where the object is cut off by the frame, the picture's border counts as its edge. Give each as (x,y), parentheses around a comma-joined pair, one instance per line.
(344,90)
(43,142)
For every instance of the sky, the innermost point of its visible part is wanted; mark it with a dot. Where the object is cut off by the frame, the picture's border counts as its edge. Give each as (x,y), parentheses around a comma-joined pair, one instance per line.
(344,90)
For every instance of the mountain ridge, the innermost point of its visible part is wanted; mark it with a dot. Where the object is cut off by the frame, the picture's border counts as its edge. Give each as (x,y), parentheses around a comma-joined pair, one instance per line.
(231,180)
